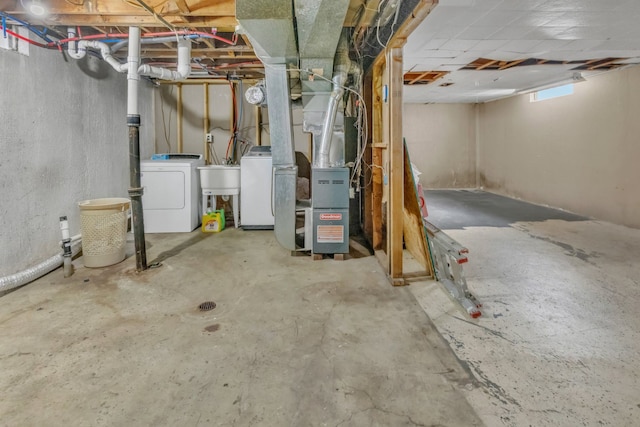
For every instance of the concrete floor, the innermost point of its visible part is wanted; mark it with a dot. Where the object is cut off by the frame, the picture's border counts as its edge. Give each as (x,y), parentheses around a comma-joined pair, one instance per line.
(292,342)
(559,341)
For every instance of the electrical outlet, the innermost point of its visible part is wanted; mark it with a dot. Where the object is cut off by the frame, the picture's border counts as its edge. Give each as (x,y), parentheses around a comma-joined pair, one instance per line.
(209,137)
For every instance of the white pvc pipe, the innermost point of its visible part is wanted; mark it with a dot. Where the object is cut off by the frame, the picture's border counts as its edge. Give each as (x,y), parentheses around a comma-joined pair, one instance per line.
(29,275)
(72,47)
(105,51)
(133,75)
(132,67)
(184,64)
(78,50)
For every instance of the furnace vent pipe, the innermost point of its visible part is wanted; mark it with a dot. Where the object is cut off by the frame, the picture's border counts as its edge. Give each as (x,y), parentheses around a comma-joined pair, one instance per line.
(342,68)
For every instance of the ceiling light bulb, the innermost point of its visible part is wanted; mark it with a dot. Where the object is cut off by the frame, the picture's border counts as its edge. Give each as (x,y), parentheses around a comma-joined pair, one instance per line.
(36,8)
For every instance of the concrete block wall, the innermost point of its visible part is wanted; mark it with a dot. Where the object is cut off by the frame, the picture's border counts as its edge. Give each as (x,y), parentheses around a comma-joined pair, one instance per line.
(64,139)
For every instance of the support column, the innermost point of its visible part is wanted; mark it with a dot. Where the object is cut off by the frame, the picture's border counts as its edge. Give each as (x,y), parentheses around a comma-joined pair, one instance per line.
(133,122)
(396,164)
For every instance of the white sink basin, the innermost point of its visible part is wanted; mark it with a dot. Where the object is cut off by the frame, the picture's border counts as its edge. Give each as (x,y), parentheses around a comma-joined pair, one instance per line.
(219,177)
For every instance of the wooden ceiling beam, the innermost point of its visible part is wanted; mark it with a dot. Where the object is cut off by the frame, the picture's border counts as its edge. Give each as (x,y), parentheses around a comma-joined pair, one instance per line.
(487,64)
(222,23)
(119,7)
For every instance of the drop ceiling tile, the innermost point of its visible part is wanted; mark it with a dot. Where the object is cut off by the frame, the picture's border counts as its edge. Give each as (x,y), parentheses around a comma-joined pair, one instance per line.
(521,4)
(448,32)
(483,4)
(459,44)
(584,19)
(627,6)
(416,43)
(498,18)
(477,32)
(580,45)
(488,46)
(536,18)
(550,45)
(510,33)
(575,5)
(576,33)
(616,45)
(520,46)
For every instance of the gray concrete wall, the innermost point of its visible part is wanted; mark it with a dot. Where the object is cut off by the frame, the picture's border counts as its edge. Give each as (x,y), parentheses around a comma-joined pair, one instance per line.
(64,139)
(442,143)
(578,152)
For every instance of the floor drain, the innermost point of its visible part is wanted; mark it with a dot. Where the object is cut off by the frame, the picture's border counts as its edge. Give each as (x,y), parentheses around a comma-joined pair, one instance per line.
(207,305)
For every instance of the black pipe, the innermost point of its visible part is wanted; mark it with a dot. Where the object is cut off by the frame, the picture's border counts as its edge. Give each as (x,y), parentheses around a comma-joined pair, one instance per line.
(135,191)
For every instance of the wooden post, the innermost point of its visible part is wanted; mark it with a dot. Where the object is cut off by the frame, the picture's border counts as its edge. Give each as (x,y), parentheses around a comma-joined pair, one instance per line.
(179,119)
(378,142)
(368,160)
(207,154)
(395,205)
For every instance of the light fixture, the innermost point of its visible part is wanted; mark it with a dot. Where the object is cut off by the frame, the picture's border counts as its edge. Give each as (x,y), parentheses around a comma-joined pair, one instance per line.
(35,7)
(257,94)
(575,78)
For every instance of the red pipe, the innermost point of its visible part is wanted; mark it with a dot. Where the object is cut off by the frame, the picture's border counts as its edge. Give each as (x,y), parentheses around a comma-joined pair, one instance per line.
(146,35)
(18,36)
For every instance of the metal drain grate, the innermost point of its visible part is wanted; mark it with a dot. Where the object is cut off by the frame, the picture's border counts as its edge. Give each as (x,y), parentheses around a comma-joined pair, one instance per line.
(207,305)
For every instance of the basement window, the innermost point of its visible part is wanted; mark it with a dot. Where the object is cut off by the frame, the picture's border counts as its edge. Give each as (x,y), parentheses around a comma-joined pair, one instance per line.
(554,92)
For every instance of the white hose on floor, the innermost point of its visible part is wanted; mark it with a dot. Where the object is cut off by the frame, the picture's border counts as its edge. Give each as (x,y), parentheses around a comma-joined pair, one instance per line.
(29,275)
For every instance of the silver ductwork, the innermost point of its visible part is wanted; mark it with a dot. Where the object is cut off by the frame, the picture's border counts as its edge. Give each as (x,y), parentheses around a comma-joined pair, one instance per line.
(269,25)
(343,66)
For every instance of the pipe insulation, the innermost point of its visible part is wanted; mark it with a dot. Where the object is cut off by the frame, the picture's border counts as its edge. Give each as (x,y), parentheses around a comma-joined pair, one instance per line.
(29,275)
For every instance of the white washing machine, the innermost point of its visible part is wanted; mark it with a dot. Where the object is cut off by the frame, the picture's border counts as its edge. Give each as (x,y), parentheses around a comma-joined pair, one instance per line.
(255,188)
(171,199)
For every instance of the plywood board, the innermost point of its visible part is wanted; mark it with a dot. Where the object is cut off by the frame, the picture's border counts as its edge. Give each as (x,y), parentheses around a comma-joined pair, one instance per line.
(415,238)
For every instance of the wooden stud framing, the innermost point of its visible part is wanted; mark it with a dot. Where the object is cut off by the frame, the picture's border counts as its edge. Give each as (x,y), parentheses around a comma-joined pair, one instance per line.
(395,204)
(368,155)
(387,150)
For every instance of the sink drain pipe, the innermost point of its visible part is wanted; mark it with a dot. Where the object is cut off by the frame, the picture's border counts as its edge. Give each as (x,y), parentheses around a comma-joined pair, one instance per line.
(133,122)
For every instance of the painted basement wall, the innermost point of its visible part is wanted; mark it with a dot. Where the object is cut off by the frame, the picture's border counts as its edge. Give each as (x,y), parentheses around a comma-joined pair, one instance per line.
(442,143)
(64,139)
(220,110)
(578,152)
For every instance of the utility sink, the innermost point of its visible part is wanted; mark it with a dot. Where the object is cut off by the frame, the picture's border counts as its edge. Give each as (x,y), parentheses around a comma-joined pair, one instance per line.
(219,177)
